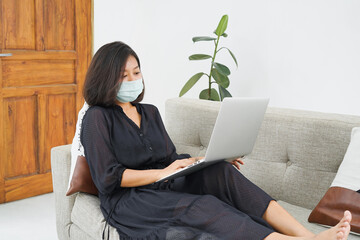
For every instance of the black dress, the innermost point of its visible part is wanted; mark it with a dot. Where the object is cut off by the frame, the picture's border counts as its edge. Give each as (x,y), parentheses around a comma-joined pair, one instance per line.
(217,202)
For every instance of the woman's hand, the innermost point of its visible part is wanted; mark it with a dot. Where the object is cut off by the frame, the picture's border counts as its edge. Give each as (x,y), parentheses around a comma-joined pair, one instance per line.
(237,162)
(176,165)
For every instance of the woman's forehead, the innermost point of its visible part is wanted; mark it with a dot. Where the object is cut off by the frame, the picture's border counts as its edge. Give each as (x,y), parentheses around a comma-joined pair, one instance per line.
(131,63)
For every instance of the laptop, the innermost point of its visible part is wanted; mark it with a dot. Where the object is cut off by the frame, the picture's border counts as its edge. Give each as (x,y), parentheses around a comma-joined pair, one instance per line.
(234,134)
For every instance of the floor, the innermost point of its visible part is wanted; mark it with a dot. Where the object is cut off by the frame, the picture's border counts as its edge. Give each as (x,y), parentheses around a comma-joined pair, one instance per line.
(31,219)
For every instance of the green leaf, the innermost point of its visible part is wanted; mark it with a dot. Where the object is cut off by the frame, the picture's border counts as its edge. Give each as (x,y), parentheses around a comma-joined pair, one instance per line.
(198,39)
(214,95)
(232,55)
(224,70)
(204,94)
(199,57)
(222,25)
(223,35)
(190,83)
(219,78)
(223,93)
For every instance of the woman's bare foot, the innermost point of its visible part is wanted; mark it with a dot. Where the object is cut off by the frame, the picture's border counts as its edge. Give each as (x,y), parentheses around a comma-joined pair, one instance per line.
(338,232)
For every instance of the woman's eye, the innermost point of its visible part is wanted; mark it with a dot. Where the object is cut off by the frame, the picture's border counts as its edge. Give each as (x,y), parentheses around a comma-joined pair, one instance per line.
(137,73)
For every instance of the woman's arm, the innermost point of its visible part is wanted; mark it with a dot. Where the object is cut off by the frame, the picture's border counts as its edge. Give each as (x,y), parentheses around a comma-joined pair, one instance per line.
(136,178)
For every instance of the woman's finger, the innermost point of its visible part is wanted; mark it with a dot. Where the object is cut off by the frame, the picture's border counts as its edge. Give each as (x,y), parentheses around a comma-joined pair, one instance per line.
(239,160)
(236,164)
(185,162)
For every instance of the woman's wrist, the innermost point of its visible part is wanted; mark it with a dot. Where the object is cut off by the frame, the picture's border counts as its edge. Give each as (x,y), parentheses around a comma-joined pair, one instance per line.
(137,178)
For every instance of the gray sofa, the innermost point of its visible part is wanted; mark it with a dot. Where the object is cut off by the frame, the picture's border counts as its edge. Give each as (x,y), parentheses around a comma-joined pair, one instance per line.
(295,158)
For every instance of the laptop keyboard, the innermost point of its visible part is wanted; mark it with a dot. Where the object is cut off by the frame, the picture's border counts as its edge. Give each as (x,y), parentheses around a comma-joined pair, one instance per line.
(182,169)
(193,164)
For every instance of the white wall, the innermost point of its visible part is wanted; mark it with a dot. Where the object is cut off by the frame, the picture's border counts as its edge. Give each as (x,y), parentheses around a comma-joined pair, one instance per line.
(303,54)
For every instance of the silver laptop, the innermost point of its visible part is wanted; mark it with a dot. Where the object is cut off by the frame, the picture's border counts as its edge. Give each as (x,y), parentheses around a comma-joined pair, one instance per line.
(234,134)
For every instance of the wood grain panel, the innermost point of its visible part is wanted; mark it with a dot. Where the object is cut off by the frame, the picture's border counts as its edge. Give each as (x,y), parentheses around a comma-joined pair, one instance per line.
(37,72)
(20,188)
(40,87)
(39,55)
(35,90)
(59,25)
(18,24)
(60,125)
(83,45)
(39,25)
(20,136)
(2,152)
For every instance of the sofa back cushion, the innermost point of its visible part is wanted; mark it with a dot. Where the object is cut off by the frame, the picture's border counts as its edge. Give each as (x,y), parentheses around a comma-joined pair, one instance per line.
(296,155)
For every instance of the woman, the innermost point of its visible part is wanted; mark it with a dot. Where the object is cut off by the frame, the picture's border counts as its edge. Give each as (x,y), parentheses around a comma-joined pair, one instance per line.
(128,150)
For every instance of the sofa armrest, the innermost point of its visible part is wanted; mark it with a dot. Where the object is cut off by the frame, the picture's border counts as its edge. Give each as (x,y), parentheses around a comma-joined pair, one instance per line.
(60,167)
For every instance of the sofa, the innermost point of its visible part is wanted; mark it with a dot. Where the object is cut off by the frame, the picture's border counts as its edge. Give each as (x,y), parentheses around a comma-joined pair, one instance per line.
(295,159)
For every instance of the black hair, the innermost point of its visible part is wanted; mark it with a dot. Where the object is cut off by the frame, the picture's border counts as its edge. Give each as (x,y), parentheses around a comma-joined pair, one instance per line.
(104,73)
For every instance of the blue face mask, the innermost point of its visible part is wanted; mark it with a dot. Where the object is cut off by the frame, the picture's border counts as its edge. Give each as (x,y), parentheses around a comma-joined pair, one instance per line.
(130,91)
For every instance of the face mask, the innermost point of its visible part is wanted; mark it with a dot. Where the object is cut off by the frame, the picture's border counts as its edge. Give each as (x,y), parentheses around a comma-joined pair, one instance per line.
(129,91)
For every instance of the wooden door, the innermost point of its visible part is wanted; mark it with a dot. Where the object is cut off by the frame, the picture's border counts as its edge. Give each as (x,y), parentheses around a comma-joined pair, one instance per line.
(40,87)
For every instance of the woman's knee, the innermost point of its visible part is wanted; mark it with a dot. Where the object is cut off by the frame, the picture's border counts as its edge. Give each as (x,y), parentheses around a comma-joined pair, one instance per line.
(222,167)
(218,172)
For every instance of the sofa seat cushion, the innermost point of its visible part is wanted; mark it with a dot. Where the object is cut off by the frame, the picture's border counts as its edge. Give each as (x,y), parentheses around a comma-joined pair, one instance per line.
(86,214)
(301,214)
(77,234)
(88,222)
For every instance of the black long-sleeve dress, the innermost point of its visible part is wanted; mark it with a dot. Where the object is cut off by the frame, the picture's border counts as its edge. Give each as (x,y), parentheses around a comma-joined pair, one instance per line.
(216,202)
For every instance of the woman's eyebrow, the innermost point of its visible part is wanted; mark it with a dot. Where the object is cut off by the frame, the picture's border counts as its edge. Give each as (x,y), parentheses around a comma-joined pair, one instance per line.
(133,69)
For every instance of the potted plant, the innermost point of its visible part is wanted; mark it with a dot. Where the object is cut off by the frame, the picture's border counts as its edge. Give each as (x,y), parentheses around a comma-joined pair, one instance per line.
(219,73)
